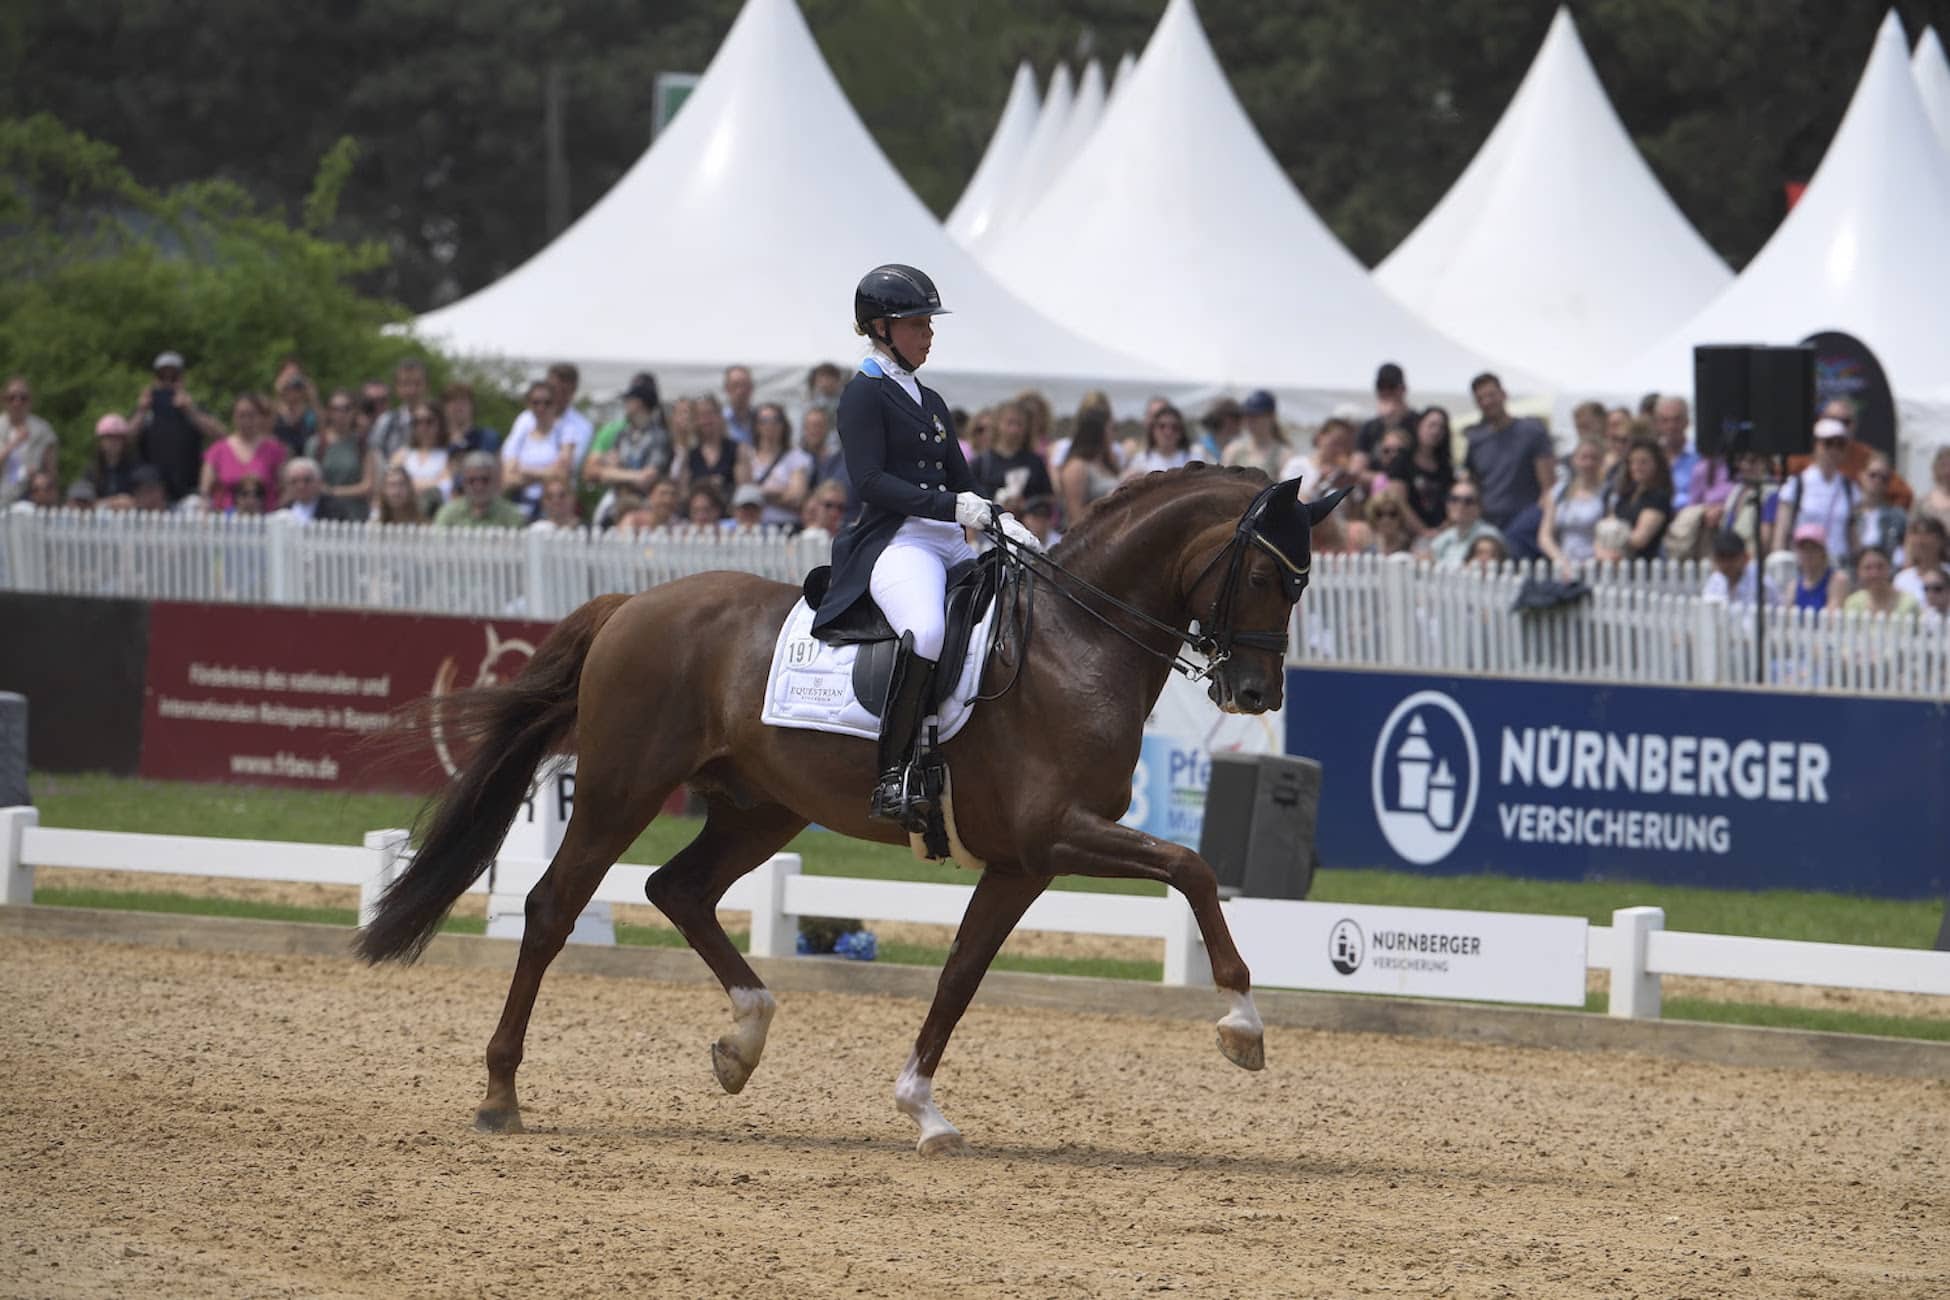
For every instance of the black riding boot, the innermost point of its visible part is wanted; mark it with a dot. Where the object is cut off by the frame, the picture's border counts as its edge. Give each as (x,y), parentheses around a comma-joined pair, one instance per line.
(900,796)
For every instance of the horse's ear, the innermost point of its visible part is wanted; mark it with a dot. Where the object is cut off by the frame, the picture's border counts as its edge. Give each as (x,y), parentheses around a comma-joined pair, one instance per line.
(1319,510)
(1280,501)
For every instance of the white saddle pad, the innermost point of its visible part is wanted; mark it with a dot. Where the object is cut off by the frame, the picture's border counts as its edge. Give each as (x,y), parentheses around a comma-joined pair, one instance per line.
(810,686)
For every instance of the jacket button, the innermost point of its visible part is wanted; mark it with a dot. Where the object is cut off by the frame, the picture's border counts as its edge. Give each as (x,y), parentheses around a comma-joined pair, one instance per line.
(920,464)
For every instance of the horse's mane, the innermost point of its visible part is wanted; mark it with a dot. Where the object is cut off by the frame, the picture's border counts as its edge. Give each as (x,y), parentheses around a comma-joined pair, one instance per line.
(1104,514)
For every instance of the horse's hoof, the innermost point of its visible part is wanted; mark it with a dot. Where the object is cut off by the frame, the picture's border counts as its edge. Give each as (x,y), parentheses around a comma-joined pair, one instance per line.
(1245,1048)
(731,1071)
(494,1119)
(950,1143)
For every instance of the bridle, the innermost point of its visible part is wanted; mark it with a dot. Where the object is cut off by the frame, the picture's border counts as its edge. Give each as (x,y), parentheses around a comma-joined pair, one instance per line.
(1216,636)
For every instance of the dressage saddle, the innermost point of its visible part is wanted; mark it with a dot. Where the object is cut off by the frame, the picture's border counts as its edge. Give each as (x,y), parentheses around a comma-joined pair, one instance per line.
(972,586)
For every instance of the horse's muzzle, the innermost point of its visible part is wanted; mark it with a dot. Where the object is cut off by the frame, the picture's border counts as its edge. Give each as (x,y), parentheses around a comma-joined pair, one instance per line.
(1247,697)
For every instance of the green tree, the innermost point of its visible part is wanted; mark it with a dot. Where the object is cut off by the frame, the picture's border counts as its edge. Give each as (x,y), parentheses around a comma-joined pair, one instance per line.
(99,273)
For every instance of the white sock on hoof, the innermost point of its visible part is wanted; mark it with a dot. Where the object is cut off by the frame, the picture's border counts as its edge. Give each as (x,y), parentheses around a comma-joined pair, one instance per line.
(1244,1015)
(914,1098)
(751,1020)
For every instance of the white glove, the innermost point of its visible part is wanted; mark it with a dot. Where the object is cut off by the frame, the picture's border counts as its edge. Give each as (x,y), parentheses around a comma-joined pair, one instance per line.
(1018,532)
(971,511)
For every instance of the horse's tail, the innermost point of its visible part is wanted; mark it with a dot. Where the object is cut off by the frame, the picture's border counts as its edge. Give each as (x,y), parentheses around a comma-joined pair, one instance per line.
(508,730)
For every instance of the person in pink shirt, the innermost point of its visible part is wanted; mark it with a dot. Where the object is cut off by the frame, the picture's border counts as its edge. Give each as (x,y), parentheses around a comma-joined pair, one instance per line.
(247,451)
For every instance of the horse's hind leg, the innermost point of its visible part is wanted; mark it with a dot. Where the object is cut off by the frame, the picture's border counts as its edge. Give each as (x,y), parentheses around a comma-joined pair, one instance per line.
(602,826)
(687,890)
(997,905)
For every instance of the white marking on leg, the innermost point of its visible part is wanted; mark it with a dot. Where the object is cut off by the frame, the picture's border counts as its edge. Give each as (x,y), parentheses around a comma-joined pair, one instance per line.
(1243,1016)
(914,1098)
(751,1020)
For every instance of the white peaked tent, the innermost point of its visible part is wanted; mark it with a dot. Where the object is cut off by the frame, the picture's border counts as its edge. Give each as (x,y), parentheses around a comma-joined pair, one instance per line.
(1559,248)
(977,205)
(1085,113)
(1932,73)
(1862,252)
(1040,160)
(1175,236)
(739,236)
(1124,66)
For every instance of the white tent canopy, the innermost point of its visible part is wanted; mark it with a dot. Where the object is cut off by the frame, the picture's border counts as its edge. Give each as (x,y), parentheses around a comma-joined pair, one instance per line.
(977,205)
(1862,252)
(1085,113)
(1124,66)
(1557,246)
(1041,158)
(1175,236)
(1932,72)
(739,236)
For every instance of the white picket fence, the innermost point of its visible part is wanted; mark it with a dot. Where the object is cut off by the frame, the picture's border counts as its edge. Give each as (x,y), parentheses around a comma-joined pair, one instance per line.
(1643,624)
(490,572)
(1636,948)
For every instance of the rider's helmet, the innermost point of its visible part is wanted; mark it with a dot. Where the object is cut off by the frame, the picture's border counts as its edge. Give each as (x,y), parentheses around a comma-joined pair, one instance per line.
(894,291)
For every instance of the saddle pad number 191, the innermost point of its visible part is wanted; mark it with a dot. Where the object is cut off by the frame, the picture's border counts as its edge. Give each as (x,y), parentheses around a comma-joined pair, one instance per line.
(810,686)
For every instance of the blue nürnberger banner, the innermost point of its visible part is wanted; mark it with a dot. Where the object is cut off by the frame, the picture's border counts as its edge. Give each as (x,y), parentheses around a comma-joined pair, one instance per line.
(1728,789)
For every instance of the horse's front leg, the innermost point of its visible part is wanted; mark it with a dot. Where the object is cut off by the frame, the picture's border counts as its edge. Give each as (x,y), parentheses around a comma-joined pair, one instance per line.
(999,902)
(1089,845)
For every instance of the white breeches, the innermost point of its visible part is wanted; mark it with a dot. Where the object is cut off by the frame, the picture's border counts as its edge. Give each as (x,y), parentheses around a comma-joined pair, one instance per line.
(910,580)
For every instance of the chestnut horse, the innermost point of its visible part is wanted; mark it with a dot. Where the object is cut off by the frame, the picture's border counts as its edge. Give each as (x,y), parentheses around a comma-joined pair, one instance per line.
(663,689)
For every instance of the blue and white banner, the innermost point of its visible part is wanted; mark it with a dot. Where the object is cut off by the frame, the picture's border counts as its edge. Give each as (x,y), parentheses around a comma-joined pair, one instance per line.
(1732,789)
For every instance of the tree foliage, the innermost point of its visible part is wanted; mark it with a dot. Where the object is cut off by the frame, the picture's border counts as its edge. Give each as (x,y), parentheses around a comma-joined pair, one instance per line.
(1372,106)
(99,273)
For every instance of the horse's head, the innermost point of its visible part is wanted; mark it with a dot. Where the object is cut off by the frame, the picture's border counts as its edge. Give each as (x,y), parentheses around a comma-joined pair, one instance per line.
(1247,594)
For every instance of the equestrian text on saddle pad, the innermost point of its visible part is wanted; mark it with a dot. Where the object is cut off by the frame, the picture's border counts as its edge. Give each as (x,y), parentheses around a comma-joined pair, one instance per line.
(810,686)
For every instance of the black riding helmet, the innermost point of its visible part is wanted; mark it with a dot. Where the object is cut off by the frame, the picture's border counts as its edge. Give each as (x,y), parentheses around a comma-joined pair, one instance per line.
(893,291)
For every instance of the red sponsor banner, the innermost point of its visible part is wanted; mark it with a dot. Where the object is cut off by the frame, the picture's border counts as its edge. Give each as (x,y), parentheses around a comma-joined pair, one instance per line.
(262,695)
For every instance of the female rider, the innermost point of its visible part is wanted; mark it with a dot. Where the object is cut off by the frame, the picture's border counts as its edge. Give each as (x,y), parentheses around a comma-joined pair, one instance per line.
(916,495)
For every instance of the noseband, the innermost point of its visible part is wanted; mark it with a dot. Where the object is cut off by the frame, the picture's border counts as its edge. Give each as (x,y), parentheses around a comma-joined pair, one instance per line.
(1216,636)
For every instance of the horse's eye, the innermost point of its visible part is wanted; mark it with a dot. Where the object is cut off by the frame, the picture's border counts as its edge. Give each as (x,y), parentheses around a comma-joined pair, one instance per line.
(1256,577)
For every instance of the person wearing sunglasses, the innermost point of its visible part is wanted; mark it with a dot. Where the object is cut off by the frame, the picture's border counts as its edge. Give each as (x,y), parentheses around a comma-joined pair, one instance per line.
(480,503)
(27,442)
(1822,494)
(1389,522)
(1936,597)
(1450,547)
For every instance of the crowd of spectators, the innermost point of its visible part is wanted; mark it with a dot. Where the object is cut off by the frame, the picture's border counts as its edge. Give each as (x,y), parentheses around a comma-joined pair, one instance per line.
(1626,484)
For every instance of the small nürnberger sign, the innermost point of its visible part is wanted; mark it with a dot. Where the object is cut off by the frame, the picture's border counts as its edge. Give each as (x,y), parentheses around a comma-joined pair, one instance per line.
(1413,951)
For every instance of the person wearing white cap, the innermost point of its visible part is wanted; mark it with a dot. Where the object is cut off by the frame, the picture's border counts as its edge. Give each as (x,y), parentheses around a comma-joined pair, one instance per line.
(172,430)
(114,466)
(1821,494)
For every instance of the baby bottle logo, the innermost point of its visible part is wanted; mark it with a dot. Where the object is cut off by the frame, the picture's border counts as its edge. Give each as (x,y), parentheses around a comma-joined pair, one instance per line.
(1425,777)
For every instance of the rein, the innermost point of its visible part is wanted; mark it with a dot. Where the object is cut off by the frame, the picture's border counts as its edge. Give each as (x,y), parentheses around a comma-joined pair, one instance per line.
(1215,646)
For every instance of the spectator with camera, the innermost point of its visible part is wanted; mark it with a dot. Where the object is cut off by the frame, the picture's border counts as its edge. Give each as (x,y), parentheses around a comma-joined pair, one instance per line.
(172,430)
